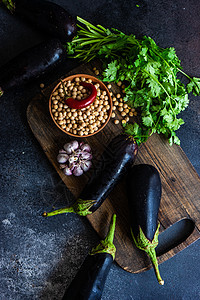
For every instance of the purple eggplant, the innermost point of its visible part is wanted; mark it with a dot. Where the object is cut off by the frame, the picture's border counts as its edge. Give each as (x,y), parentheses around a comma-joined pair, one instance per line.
(31,64)
(114,163)
(144,195)
(46,16)
(89,282)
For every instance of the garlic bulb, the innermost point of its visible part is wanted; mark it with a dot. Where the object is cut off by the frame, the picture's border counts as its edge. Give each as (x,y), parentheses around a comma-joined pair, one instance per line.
(75,158)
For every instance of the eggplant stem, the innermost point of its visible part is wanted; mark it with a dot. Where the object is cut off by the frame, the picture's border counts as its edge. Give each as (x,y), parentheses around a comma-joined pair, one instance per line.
(144,244)
(80,207)
(106,245)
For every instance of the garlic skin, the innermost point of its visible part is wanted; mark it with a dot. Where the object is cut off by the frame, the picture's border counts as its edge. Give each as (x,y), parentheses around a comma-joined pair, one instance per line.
(75,158)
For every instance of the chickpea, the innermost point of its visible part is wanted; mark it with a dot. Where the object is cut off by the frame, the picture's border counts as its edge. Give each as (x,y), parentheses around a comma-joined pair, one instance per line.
(82,78)
(120,109)
(123,114)
(68,121)
(56,114)
(60,105)
(81,133)
(65,106)
(55,101)
(77,79)
(59,109)
(109,86)
(74,126)
(55,93)
(60,122)
(121,99)
(125,105)
(96,72)
(69,114)
(78,97)
(63,126)
(102,96)
(67,129)
(120,104)
(74,131)
(100,118)
(132,109)
(116,122)
(84,91)
(94,69)
(126,110)
(62,95)
(114,108)
(53,110)
(90,80)
(55,106)
(113,115)
(118,96)
(127,119)
(73,121)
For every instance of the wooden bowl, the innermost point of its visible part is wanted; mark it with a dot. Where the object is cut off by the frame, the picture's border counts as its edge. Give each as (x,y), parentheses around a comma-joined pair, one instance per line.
(94,80)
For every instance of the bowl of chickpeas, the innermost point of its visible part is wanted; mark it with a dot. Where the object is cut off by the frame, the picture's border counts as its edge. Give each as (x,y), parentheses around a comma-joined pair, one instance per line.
(80,122)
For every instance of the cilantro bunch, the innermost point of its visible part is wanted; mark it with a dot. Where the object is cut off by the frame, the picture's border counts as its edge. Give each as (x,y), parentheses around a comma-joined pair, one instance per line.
(150,73)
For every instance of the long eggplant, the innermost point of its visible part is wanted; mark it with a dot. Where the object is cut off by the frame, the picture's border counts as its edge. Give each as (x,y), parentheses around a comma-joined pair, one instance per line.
(89,282)
(114,163)
(144,194)
(31,64)
(46,16)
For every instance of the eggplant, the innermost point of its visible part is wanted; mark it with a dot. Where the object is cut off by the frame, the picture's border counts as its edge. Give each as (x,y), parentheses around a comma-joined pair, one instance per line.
(144,194)
(89,282)
(45,15)
(114,163)
(31,64)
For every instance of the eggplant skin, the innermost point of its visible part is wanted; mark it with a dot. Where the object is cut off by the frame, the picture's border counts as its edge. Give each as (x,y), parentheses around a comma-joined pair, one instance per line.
(144,194)
(89,282)
(114,163)
(31,64)
(49,17)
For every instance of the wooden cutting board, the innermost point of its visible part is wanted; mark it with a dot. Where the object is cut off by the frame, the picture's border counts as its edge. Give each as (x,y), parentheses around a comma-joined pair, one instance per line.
(180,182)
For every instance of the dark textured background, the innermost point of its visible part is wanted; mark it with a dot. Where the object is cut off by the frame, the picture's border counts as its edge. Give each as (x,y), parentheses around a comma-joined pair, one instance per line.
(39,257)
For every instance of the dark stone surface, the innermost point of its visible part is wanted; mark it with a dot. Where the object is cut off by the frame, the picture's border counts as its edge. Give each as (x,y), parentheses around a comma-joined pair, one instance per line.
(39,257)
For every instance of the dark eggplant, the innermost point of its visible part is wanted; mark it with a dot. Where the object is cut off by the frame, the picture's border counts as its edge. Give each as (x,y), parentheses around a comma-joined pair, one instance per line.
(31,64)
(89,282)
(144,194)
(114,163)
(45,15)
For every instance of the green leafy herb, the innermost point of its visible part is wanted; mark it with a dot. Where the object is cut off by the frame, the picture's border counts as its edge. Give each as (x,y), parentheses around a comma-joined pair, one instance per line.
(150,73)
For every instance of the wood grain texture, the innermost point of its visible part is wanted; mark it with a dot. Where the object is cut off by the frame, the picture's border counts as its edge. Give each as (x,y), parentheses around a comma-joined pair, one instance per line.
(180,182)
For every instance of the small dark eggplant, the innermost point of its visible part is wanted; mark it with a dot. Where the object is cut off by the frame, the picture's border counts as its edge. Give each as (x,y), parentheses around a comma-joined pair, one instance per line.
(114,163)
(31,64)
(45,15)
(89,282)
(144,195)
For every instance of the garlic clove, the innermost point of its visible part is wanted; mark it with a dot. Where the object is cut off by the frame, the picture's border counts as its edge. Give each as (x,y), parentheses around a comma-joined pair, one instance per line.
(62,158)
(67,171)
(71,146)
(86,165)
(85,147)
(78,171)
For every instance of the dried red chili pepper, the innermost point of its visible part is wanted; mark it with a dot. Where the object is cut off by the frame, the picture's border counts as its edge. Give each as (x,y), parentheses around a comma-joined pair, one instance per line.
(78,104)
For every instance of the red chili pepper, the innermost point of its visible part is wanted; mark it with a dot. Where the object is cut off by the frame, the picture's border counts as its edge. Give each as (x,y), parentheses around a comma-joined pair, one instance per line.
(78,104)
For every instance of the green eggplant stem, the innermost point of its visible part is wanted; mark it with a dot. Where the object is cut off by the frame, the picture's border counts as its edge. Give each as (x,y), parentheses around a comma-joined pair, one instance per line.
(80,207)
(9,4)
(144,244)
(106,245)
